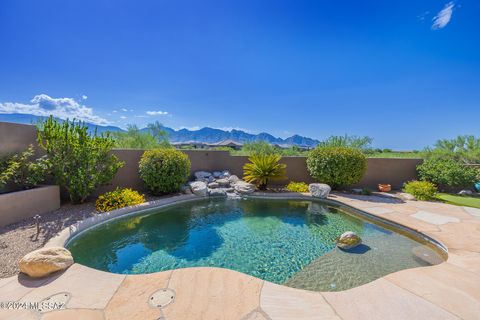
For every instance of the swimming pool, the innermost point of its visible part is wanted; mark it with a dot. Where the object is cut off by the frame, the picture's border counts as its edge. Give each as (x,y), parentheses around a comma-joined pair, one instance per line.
(289,242)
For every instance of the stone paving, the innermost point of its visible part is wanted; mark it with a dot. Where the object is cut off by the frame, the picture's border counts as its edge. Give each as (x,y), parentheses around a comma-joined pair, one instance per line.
(450,290)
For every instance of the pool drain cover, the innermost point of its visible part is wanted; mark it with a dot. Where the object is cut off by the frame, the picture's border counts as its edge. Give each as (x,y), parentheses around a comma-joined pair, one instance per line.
(54,302)
(161,298)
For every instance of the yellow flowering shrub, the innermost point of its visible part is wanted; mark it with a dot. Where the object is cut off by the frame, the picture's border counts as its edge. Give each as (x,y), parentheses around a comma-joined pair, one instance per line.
(297,187)
(117,199)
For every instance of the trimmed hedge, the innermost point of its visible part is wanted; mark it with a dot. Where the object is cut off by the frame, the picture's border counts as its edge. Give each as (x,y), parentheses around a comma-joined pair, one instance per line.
(336,166)
(164,170)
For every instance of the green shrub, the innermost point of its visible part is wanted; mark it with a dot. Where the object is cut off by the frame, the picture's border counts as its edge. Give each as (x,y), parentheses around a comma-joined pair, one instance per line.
(336,166)
(297,187)
(447,174)
(23,171)
(80,162)
(117,199)
(164,170)
(152,137)
(262,168)
(259,147)
(346,141)
(422,190)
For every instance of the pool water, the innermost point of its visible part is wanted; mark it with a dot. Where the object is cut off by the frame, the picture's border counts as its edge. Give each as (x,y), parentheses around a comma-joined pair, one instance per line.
(290,242)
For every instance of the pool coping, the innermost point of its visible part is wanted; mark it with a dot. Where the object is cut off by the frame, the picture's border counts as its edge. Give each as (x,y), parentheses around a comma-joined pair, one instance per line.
(448,290)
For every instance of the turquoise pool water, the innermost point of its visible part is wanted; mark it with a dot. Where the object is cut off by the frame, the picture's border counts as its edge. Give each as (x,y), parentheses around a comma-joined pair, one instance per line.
(289,242)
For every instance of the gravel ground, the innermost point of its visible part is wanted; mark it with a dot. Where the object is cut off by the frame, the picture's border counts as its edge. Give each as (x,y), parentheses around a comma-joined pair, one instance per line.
(20,238)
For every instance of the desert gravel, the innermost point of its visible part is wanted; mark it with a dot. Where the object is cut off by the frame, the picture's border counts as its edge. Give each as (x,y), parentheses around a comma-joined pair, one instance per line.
(20,238)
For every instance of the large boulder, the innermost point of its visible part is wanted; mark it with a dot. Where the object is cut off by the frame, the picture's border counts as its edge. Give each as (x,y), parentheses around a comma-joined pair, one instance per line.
(243,187)
(348,240)
(219,192)
(199,188)
(217,174)
(213,185)
(223,182)
(42,262)
(319,190)
(233,179)
(202,175)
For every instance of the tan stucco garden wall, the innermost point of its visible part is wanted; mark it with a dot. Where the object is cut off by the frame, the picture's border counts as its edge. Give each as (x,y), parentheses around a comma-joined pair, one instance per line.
(19,205)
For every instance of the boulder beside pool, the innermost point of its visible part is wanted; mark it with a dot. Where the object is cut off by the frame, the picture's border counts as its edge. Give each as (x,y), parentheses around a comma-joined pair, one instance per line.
(319,190)
(199,188)
(42,262)
(348,240)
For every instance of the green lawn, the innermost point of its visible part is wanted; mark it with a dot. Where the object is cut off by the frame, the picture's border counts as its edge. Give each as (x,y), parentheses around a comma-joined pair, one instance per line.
(467,201)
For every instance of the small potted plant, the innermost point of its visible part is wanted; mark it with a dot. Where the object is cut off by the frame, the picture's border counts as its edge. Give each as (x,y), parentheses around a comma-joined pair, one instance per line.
(384,187)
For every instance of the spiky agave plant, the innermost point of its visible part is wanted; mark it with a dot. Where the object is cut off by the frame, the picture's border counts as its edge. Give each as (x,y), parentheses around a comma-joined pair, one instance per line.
(262,168)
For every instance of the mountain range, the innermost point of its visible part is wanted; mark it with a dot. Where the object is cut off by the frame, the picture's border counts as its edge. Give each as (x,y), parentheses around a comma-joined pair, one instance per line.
(204,135)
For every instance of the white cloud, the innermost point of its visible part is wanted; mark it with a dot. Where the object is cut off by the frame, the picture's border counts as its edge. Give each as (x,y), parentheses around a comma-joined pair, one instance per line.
(114,111)
(123,117)
(157,113)
(63,108)
(124,109)
(443,17)
(84,97)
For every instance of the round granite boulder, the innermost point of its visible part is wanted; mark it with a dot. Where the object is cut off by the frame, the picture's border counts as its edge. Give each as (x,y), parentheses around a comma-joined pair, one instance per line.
(348,240)
(199,188)
(243,187)
(319,190)
(44,261)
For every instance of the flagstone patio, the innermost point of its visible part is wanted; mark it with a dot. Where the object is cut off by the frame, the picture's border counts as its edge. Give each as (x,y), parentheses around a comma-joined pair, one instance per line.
(450,290)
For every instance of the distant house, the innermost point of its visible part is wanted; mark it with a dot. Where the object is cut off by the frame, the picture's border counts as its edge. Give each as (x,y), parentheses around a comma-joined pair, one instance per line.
(190,144)
(227,143)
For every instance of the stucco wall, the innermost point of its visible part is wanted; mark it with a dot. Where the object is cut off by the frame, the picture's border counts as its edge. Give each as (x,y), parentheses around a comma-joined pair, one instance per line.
(16,206)
(16,137)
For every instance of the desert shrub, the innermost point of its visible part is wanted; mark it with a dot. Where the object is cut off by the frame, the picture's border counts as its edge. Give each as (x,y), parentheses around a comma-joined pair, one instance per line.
(117,199)
(164,170)
(447,173)
(154,136)
(22,170)
(336,166)
(464,149)
(259,147)
(354,142)
(297,186)
(422,190)
(80,161)
(262,168)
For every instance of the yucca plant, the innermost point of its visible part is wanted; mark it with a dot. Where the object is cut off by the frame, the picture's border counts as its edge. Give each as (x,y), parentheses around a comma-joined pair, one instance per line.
(262,168)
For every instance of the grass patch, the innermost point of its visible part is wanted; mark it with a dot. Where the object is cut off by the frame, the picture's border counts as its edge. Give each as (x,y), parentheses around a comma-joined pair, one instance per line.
(460,200)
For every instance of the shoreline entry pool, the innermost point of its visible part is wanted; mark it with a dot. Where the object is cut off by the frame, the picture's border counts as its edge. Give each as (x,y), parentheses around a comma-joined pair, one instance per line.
(289,242)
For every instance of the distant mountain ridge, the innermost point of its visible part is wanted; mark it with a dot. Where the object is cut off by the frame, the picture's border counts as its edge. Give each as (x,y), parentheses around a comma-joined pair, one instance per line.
(204,135)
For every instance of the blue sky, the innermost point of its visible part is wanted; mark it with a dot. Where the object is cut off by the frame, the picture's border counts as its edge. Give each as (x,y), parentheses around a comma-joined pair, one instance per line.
(403,72)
